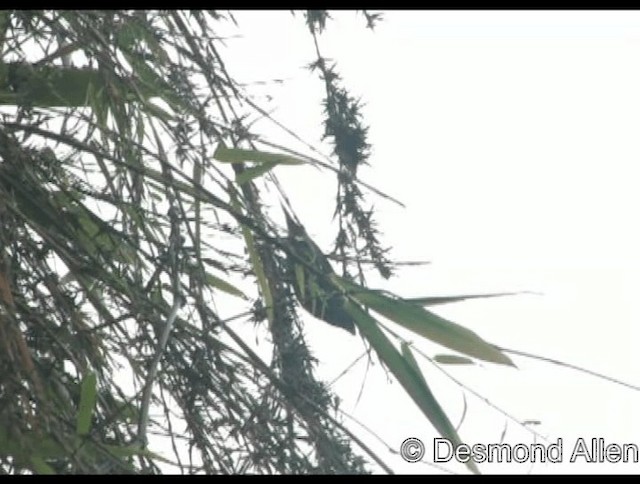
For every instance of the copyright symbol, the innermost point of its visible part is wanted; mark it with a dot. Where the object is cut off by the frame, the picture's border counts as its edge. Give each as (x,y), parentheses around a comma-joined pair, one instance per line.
(412,449)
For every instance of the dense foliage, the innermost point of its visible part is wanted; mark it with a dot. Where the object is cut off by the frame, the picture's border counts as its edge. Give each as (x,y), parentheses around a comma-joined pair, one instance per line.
(131,206)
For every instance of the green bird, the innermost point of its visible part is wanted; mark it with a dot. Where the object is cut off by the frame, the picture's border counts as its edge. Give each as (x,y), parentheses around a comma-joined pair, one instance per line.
(312,277)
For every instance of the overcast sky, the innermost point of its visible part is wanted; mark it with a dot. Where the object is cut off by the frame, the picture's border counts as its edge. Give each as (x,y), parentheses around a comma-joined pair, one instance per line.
(512,140)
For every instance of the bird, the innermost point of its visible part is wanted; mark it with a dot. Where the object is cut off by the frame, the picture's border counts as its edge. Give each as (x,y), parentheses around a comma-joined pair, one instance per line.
(313,280)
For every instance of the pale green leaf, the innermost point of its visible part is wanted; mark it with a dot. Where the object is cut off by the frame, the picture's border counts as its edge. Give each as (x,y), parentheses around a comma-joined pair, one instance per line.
(223,285)
(49,86)
(452,360)
(300,280)
(254,257)
(436,300)
(428,324)
(88,395)
(406,370)
(237,155)
(254,172)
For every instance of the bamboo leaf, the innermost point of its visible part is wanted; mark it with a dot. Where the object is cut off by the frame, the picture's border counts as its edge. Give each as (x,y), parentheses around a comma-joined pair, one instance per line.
(436,300)
(452,360)
(47,86)
(150,84)
(237,155)
(31,444)
(428,324)
(88,395)
(411,361)
(178,185)
(158,111)
(254,258)
(58,86)
(254,172)
(94,234)
(223,285)
(300,280)
(438,414)
(405,369)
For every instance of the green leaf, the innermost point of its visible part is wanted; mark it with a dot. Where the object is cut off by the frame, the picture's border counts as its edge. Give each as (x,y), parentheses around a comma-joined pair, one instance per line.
(254,257)
(406,370)
(47,86)
(411,361)
(452,360)
(59,86)
(88,395)
(158,111)
(30,444)
(428,324)
(97,101)
(237,155)
(254,172)
(435,300)
(300,280)
(179,185)
(223,285)
(94,234)
(151,84)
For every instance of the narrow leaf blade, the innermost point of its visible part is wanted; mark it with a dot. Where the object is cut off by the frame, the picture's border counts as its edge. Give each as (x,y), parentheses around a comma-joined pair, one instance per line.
(436,300)
(237,155)
(88,395)
(223,285)
(452,360)
(254,172)
(428,325)
(405,369)
(254,258)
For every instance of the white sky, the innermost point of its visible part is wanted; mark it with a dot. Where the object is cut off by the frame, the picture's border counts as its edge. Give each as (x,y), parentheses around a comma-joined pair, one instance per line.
(511,137)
